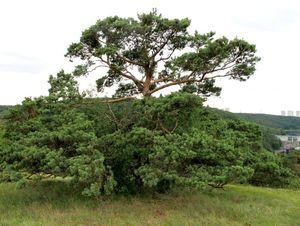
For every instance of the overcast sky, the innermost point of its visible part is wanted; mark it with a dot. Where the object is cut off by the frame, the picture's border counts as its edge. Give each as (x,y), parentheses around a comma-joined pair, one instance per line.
(35,35)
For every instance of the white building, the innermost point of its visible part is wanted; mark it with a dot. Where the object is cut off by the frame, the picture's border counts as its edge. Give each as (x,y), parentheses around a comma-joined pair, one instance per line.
(289,142)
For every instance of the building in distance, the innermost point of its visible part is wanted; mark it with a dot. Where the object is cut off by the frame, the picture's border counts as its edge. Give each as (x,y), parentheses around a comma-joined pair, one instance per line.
(290,113)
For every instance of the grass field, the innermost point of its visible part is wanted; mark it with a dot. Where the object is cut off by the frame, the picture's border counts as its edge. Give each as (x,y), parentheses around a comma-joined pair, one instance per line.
(55,203)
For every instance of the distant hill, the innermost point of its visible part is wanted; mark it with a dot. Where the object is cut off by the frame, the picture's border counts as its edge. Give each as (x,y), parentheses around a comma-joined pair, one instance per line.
(281,124)
(4,107)
(288,124)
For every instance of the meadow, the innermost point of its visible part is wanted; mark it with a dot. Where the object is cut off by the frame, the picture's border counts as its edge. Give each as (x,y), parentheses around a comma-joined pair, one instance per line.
(56,203)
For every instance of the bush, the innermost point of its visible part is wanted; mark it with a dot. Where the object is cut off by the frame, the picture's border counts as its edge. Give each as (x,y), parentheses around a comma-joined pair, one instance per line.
(52,139)
(270,171)
(294,183)
(153,144)
(292,161)
(163,149)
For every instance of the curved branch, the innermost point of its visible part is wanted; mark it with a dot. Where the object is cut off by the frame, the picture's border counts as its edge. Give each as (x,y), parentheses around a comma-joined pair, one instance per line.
(128,76)
(178,82)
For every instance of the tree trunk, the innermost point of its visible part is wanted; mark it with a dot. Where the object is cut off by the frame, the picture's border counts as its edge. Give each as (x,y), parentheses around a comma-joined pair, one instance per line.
(146,90)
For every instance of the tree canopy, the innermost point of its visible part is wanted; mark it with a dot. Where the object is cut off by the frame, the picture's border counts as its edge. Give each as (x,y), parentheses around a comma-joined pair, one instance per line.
(146,55)
(153,144)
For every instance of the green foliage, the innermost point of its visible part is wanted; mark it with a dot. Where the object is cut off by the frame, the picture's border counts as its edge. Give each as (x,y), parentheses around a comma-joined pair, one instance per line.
(153,144)
(292,161)
(47,136)
(269,130)
(1,130)
(167,114)
(164,148)
(107,118)
(63,88)
(151,53)
(294,184)
(269,170)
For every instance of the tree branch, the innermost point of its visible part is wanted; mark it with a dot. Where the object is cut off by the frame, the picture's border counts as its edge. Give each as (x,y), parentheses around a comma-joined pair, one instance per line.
(218,185)
(114,118)
(134,79)
(163,45)
(164,79)
(128,76)
(118,100)
(129,61)
(93,69)
(166,58)
(178,82)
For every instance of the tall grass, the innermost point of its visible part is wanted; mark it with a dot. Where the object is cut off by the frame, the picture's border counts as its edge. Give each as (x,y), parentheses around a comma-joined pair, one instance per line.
(56,203)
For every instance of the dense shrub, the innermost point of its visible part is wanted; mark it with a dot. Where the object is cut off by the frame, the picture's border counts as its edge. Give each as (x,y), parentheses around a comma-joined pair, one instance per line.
(292,161)
(151,144)
(51,139)
(269,170)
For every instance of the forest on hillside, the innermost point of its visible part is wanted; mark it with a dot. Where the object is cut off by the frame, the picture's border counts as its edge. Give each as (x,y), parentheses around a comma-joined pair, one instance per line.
(287,124)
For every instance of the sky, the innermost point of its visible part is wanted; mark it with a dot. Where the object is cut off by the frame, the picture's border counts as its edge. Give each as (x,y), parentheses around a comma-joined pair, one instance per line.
(34,36)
